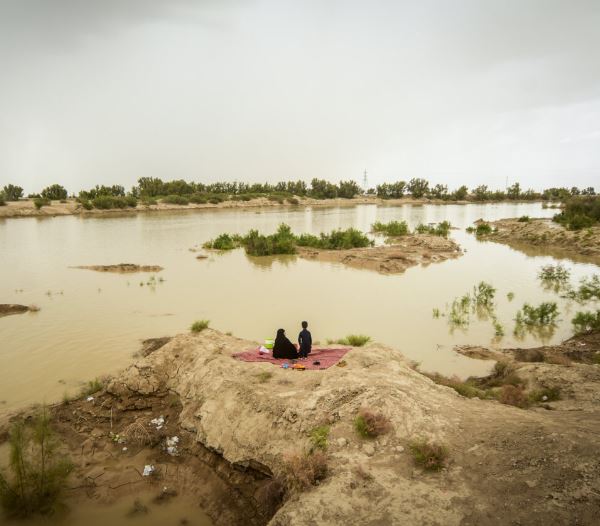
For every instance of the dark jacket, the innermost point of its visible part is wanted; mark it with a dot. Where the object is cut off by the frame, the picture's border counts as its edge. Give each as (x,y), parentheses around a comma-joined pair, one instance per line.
(305,341)
(283,347)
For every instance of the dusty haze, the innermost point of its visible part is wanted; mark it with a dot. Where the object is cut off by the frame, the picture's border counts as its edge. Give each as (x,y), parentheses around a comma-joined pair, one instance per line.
(458,92)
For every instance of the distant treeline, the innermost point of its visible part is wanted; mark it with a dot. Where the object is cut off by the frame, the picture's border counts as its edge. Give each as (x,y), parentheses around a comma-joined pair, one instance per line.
(150,190)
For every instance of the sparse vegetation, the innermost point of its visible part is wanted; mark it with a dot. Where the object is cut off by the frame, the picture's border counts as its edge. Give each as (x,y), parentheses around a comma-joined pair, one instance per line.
(589,289)
(393,228)
(319,437)
(441,229)
(93,386)
(545,394)
(523,219)
(223,242)
(586,321)
(429,455)
(264,376)
(554,277)
(303,470)
(175,200)
(514,395)
(580,212)
(481,229)
(37,474)
(371,424)
(464,388)
(544,314)
(108,202)
(199,326)
(354,340)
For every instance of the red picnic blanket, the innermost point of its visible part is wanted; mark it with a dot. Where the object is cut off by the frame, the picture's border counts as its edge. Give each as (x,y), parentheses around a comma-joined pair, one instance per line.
(325,357)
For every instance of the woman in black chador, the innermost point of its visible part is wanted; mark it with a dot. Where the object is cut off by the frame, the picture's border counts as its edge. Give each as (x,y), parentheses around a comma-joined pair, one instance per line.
(283,347)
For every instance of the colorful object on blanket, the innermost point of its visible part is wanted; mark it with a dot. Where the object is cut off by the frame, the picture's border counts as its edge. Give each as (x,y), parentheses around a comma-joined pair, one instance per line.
(299,367)
(325,357)
(285,365)
(269,344)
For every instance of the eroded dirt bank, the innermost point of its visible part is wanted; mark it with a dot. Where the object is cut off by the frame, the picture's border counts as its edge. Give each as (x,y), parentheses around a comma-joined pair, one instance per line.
(405,252)
(506,465)
(544,234)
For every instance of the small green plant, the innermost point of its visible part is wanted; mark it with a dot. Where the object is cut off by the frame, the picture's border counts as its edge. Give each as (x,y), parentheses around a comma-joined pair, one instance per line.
(498,329)
(199,326)
(393,228)
(586,321)
(37,474)
(93,386)
(319,436)
(510,296)
(523,219)
(39,202)
(264,376)
(483,295)
(589,289)
(481,229)
(354,340)
(371,424)
(554,276)
(436,313)
(429,455)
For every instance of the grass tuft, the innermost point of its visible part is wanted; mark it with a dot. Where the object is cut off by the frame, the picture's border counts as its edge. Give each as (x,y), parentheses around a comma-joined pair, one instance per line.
(371,424)
(429,455)
(199,326)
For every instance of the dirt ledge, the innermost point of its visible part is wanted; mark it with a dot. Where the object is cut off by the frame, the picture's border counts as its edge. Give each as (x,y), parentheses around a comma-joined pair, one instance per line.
(403,252)
(546,235)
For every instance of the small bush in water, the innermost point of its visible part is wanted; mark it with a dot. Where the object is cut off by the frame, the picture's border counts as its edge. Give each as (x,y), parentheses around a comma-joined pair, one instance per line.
(199,326)
(441,229)
(586,321)
(483,294)
(554,273)
(589,289)
(223,242)
(393,228)
(481,229)
(545,313)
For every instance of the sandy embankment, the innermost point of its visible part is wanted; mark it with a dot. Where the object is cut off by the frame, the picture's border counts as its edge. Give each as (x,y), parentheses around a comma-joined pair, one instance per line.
(538,235)
(506,465)
(403,253)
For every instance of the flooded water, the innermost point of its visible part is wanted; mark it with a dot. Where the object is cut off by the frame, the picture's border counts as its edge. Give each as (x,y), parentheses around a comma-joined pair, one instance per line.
(91,323)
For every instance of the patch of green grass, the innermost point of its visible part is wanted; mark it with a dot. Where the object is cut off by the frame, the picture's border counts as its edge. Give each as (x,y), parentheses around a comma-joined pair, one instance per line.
(463,388)
(393,228)
(544,314)
(199,326)
(223,242)
(429,455)
(355,340)
(319,437)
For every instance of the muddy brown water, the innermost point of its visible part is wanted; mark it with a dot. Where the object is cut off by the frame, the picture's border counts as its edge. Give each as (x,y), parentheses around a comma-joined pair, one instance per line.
(91,323)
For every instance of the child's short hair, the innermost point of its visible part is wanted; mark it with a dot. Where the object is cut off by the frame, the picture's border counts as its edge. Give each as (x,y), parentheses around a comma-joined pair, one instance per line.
(304,324)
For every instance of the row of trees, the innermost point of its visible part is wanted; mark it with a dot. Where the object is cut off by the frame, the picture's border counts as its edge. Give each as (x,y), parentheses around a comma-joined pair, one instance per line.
(153,187)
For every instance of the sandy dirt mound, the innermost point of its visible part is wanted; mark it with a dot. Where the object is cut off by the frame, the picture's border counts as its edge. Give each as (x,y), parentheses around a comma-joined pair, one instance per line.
(544,235)
(405,252)
(6,309)
(122,268)
(546,462)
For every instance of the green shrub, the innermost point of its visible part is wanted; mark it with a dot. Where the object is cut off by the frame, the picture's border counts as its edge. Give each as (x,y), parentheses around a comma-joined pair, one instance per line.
(293,201)
(482,229)
(371,424)
(199,326)
(223,242)
(429,455)
(393,228)
(282,242)
(589,289)
(586,321)
(41,201)
(2,200)
(545,313)
(554,274)
(523,219)
(441,229)
(198,199)
(37,473)
(580,212)
(149,201)
(335,240)
(109,202)
(319,436)
(175,200)
(87,205)
(483,295)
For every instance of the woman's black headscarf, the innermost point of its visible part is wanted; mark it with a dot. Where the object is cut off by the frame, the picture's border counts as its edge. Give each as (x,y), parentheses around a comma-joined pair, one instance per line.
(284,348)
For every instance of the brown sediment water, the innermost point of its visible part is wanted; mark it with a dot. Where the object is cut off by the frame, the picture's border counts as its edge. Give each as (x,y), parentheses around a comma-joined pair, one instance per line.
(90,323)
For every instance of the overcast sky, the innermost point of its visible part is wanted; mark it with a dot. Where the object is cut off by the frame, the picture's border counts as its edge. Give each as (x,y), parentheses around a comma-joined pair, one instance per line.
(461,91)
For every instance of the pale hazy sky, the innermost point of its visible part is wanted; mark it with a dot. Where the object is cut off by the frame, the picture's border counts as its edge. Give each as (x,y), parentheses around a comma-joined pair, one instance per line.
(457,91)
